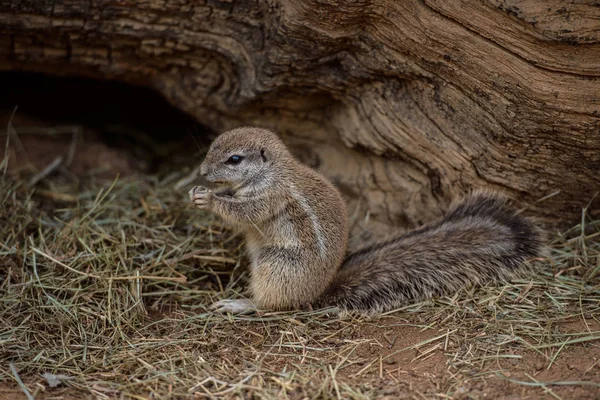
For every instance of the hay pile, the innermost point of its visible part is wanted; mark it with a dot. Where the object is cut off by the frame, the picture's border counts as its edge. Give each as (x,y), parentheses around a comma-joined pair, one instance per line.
(104,288)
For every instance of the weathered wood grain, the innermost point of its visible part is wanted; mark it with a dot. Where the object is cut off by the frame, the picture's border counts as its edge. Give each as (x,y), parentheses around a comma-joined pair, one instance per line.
(405,104)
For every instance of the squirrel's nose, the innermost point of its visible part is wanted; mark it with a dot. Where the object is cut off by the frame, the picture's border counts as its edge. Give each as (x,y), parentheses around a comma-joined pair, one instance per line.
(203,170)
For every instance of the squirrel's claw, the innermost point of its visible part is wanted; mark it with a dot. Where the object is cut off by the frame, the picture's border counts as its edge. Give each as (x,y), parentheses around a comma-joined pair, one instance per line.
(197,191)
(200,196)
(240,306)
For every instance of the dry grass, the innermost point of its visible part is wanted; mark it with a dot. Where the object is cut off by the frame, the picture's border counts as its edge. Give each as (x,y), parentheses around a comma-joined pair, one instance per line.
(107,284)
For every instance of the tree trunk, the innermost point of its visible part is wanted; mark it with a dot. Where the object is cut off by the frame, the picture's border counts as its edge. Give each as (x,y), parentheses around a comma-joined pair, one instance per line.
(404,104)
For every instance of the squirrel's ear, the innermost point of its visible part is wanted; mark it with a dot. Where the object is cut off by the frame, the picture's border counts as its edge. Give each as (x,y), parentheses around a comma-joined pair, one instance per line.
(266,155)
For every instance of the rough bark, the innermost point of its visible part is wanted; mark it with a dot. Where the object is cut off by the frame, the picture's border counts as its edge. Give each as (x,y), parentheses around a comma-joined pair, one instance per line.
(405,104)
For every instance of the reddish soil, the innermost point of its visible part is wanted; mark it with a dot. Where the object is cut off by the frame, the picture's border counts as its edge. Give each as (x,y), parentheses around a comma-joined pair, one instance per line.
(419,374)
(413,374)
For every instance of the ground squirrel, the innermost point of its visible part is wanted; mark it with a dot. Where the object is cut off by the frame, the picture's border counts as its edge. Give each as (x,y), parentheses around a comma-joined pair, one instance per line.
(296,230)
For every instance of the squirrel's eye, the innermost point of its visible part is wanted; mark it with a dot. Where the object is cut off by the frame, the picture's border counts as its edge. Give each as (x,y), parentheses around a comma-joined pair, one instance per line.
(235,159)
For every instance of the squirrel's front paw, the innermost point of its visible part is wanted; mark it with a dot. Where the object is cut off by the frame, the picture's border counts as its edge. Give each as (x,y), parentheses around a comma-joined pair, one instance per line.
(201,197)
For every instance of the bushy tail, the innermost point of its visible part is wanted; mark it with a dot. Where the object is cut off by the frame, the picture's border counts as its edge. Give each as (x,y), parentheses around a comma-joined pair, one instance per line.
(481,239)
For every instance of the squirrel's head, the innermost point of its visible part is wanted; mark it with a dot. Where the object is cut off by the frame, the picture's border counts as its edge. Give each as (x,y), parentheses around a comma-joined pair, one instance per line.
(242,156)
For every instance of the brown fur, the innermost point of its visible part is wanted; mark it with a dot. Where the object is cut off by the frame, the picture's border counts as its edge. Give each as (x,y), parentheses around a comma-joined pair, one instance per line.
(481,239)
(296,230)
(294,240)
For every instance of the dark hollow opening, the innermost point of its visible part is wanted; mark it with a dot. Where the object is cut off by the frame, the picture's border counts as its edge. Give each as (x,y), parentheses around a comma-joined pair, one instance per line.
(130,118)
